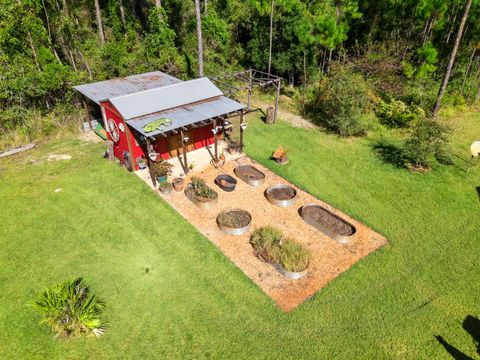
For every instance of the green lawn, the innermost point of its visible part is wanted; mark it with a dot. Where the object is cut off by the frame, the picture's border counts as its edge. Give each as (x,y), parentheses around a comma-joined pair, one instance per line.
(107,226)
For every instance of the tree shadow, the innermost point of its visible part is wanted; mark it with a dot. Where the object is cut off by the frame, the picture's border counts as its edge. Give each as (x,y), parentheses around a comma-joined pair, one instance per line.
(478,192)
(471,325)
(390,153)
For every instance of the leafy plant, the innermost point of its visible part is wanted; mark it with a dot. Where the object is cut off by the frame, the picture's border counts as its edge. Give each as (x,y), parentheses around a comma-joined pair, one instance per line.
(293,256)
(201,189)
(265,241)
(165,187)
(398,114)
(71,310)
(428,139)
(162,168)
(342,102)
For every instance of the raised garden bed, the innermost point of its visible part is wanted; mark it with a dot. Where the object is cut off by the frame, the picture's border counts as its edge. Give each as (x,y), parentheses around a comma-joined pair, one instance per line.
(328,223)
(234,222)
(201,194)
(281,195)
(251,175)
(226,182)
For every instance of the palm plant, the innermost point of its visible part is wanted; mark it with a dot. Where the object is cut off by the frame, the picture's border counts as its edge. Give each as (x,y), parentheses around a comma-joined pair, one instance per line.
(70,310)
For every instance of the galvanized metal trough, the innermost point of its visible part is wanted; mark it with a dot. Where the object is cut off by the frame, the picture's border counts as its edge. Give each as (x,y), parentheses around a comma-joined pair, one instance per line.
(270,195)
(325,227)
(250,174)
(234,230)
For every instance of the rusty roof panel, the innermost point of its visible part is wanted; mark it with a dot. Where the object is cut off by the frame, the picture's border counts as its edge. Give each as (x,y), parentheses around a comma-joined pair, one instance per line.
(105,90)
(188,114)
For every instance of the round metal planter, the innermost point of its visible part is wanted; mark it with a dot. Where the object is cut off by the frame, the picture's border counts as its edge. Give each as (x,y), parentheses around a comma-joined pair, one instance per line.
(220,179)
(340,238)
(247,173)
(234,231)
(201,204)
(290,274)
(279,202)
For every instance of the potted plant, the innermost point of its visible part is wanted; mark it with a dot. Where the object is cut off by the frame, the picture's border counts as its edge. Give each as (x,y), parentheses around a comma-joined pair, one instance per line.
(201,194)
(234,148)
(280,155)
(178,184)
(162,169)
(165,188)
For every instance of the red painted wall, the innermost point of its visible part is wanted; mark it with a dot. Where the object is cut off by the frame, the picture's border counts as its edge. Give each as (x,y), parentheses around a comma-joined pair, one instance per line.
(203,136)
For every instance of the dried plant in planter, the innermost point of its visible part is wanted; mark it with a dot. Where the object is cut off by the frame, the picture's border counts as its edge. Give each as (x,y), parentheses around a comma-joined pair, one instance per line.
(162,168)
(71,310)
(234,218)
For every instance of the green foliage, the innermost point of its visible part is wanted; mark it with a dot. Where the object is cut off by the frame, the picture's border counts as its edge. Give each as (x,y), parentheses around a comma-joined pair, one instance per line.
(70,310)
(428,139)
(396,113)
(201,189)
(162,168)
(428,57)
(342,102)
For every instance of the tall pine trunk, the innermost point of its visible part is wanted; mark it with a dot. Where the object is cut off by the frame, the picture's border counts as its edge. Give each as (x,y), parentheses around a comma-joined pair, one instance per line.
(271,38)
(101,34)
(451,61)
(122,13)
(199,38)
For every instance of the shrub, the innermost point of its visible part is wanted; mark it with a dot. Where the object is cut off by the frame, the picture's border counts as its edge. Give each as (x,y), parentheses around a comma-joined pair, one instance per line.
(341,102)
(293,257)
(396,113)
(70,310)
(162,168)
(428,139)
(265,242)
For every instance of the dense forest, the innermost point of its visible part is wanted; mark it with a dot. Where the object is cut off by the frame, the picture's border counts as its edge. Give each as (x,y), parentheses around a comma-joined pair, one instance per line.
(387,55)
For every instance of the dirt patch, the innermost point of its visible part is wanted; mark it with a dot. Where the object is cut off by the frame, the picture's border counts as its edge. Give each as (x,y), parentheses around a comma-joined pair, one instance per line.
(58,157)
(249,172)
(328,258)
(331,222)
(282,193)
(234,219)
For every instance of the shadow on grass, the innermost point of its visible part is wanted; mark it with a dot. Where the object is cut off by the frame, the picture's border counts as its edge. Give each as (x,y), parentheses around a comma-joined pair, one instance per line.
(471,325)
(390,153)
(478,192)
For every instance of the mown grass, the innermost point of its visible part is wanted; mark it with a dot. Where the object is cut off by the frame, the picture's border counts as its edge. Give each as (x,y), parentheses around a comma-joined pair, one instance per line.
(107,226)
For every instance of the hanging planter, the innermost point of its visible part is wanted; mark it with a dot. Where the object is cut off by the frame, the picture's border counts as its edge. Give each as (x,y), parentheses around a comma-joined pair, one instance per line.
(234,222)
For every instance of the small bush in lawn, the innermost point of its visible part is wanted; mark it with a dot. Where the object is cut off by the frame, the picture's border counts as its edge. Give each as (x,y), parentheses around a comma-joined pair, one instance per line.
(396,113)
(71,310)
(428,139)
(342,102)
(265,242)
(293,257)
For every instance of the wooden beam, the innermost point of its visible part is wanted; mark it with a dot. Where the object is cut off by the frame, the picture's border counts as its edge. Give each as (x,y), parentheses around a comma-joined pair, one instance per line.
(241,132)
(87,112)
(164,135)
(276,100)
(184,128)
(215,139)
(149,164)
(184,150)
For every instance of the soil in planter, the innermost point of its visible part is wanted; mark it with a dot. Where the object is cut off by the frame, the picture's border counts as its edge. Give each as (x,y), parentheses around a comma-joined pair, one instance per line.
(234,219)
(199,198)
(282,193)
(249,172)
(328,220)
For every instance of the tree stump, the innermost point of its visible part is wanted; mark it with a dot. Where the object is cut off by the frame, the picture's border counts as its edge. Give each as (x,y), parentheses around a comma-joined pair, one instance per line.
(270,116)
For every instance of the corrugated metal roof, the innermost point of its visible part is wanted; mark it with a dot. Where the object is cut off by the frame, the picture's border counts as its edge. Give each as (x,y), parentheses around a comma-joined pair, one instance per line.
(164,98)
(188,114)
(105,90)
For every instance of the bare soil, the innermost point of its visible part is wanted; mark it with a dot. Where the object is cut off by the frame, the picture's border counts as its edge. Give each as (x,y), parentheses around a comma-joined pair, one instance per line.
(250,172)
(328,258)
(282,194)
(234,219)
(329,221)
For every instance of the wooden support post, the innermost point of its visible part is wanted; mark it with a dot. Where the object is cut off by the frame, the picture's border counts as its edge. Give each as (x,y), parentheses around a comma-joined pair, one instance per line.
(241,131)
(276,100)
(149,163)
(215,139)
(249,89)
(87,112)
(184,150)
